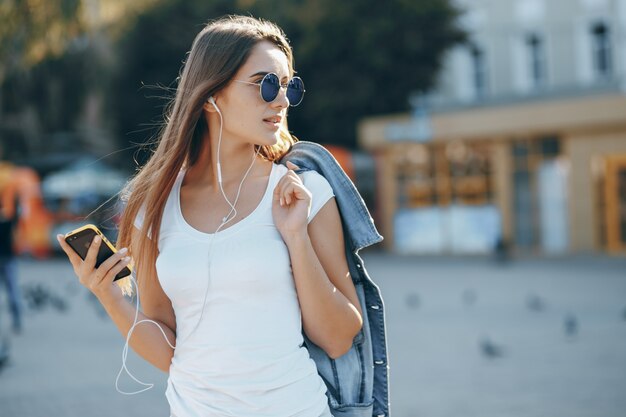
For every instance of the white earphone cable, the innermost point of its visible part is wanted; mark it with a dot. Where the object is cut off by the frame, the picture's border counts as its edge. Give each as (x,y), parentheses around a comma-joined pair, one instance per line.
(225,220)
(125,349)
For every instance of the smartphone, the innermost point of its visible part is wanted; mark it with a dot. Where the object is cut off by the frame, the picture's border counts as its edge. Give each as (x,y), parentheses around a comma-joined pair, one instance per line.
(81,239)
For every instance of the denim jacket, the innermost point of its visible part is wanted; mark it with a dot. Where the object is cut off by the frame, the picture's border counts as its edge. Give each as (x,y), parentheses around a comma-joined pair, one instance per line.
(357,382)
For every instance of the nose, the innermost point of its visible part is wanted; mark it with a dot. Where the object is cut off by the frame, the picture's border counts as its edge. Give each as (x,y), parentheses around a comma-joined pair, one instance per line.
(281,101)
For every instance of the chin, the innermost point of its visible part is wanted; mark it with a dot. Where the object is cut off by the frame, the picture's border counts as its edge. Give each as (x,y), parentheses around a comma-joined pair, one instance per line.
(271,140)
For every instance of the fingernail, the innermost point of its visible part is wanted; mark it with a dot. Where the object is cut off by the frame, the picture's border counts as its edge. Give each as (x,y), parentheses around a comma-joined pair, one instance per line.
(96,239)
(59,237)
(123,250)
(126,259)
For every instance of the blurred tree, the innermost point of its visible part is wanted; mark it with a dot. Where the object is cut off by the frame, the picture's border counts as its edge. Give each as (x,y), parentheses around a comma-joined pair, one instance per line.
(149,58)
(362,57)
(32,31)
(54,56)
(357,58)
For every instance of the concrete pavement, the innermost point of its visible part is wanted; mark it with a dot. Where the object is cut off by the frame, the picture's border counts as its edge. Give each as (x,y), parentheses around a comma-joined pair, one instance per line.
(467,337)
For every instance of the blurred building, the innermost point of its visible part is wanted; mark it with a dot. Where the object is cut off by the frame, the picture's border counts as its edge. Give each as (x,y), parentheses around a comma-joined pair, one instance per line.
(523,142)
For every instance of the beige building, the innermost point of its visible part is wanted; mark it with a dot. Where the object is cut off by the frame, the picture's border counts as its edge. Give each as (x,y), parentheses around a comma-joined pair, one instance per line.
(522,142)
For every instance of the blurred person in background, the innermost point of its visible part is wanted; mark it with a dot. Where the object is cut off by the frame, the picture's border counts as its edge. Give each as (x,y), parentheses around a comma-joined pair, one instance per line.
(214,209)
(8,262)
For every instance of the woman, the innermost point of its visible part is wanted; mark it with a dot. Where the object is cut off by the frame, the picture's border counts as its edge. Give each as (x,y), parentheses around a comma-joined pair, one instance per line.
(235,254)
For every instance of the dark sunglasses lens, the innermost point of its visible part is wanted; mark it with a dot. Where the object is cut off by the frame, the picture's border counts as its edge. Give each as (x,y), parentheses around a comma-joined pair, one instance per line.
(270,87)
(295,91)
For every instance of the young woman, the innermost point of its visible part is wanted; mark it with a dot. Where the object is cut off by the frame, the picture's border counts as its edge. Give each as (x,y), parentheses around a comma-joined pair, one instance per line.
(234,253)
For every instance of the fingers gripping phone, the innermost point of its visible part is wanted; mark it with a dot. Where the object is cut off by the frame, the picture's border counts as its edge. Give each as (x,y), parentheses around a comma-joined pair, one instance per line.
(81,239)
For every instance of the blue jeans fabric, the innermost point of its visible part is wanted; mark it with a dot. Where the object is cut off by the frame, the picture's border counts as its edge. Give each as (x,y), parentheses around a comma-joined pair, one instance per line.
(8,276)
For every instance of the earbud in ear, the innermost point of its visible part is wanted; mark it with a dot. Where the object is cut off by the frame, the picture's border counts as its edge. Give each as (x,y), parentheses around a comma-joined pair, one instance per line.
(212,101)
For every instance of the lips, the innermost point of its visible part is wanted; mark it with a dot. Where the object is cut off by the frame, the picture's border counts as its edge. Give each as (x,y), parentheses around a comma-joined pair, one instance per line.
(273,119)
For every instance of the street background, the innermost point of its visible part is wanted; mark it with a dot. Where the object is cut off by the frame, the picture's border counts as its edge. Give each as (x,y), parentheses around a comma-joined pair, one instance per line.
(486,137)
(467,337)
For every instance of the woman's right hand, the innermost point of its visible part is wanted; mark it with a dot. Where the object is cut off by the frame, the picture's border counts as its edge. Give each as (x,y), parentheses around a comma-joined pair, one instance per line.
(98,280)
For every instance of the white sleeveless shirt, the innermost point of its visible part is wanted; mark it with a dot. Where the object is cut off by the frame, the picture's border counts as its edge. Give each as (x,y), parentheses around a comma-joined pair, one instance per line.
(246,357)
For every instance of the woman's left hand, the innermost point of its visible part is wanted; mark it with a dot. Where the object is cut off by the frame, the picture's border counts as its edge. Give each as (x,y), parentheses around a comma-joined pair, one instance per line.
(291,204)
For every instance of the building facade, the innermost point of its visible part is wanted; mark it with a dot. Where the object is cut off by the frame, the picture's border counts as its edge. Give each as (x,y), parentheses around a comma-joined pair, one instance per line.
(523,142)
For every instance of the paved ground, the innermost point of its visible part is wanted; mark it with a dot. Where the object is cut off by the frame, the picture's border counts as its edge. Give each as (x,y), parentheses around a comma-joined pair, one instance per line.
(467,337)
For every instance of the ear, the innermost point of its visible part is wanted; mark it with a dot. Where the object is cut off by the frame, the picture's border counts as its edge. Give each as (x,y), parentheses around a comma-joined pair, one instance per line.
(209,107)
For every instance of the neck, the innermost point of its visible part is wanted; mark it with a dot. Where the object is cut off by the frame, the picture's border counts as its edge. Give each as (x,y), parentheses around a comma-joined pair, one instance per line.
(235,159)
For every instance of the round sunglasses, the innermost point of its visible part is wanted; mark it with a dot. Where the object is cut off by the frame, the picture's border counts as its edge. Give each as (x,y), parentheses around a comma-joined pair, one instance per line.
(270,85)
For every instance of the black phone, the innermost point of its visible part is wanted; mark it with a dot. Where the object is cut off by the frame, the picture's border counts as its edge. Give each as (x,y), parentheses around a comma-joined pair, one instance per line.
(80,240)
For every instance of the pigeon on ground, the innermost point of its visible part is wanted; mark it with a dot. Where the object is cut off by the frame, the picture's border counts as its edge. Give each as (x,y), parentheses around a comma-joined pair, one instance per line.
(570,325)
(36,297)
(58,303)
(413,300)
(490,350)
(535,303)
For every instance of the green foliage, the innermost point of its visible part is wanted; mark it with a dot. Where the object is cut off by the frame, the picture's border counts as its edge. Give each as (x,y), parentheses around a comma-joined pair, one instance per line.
(31,32)
(357,58)
(55,88)
(53,55)
(150,57)
(364,57)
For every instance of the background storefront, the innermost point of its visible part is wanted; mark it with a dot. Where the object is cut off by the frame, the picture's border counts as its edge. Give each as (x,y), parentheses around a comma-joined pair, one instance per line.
(538,176)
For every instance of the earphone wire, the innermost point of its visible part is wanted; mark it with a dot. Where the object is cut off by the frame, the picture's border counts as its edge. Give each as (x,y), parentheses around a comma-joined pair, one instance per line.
(225,220)
(126,344)
(219,170)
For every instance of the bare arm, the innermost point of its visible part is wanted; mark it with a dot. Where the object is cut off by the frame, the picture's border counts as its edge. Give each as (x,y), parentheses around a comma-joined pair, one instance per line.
(331,313)
(147,340)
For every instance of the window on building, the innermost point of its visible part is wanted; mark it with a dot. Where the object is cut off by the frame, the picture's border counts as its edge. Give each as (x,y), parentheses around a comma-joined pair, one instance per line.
(536,59)
(601,44)
(523,201)
(479,70)
(528,157)
(444,174)
(415,176)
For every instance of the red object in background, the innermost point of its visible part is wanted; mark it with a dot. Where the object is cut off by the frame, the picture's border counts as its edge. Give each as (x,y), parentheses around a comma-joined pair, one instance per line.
(344,157)
(22,184)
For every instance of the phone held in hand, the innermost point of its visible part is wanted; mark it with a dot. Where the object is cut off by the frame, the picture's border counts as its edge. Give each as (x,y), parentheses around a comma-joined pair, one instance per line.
(81,239)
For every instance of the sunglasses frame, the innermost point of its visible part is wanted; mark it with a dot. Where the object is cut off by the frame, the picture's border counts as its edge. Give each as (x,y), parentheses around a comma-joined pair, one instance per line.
(285,86)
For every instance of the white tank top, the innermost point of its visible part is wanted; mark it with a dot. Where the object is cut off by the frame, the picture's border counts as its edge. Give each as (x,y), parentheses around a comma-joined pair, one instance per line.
(246,358)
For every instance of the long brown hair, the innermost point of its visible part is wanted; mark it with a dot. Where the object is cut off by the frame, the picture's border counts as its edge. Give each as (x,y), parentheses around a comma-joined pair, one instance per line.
(217,53)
